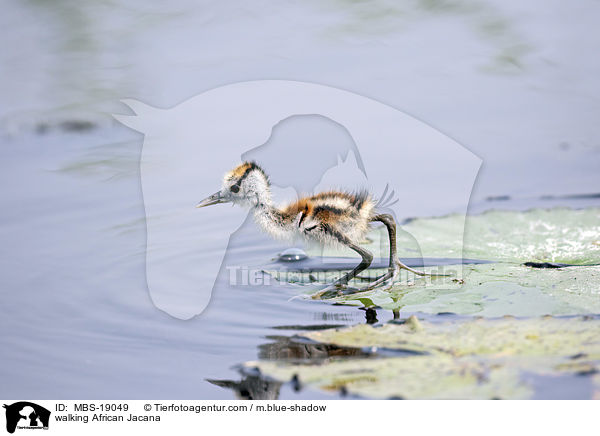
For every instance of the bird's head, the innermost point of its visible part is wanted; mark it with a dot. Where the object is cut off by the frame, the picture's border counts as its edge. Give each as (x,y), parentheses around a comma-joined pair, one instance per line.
(245,185)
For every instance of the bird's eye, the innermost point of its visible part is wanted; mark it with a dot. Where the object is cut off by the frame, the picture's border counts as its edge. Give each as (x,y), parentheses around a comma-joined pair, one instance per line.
(235,188)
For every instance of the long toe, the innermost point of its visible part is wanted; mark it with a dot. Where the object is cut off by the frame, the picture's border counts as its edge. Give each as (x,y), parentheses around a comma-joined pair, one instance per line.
(330,291)
(387,279)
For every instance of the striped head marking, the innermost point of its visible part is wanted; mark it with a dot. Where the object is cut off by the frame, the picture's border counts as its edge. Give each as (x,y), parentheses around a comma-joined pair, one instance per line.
(246,185)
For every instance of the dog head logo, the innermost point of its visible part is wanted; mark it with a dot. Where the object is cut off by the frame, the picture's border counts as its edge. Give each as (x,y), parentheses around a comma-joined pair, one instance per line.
(188,148)
(26,415)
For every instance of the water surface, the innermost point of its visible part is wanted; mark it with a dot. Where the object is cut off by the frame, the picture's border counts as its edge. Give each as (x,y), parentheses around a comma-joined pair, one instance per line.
(76,316)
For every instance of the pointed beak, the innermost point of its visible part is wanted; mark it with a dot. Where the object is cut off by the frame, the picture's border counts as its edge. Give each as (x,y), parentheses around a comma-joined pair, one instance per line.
(216,198)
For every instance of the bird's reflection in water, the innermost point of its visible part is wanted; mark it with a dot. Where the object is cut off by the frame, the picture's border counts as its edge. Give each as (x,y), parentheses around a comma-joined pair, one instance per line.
(298,349)
(253,386)
(370,315)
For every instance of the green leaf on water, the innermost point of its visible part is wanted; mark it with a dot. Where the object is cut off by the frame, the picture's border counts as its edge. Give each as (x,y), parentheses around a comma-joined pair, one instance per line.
(505,287)
(414,377)
(494,290)
(546,336)
(481,358)
(538,235)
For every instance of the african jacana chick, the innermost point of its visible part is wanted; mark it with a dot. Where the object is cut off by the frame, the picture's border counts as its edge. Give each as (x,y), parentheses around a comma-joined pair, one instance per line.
(329,218)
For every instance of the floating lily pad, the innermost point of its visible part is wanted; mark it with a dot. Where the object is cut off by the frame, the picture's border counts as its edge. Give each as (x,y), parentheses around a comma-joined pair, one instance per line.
(482,358)
(542,235)
(546,336)
(505,287)
(539,235)
(414,377)
(494,290)
(489,357)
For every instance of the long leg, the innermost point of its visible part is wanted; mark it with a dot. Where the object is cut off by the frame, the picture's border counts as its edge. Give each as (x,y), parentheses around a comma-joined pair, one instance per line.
(366,255)
(394,262)
(389,222)
(334,290)
(367,258)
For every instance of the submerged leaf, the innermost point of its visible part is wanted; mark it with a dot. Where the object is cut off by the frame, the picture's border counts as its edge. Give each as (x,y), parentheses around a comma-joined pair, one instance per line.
(545,336)
(465,359)
(414,377)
